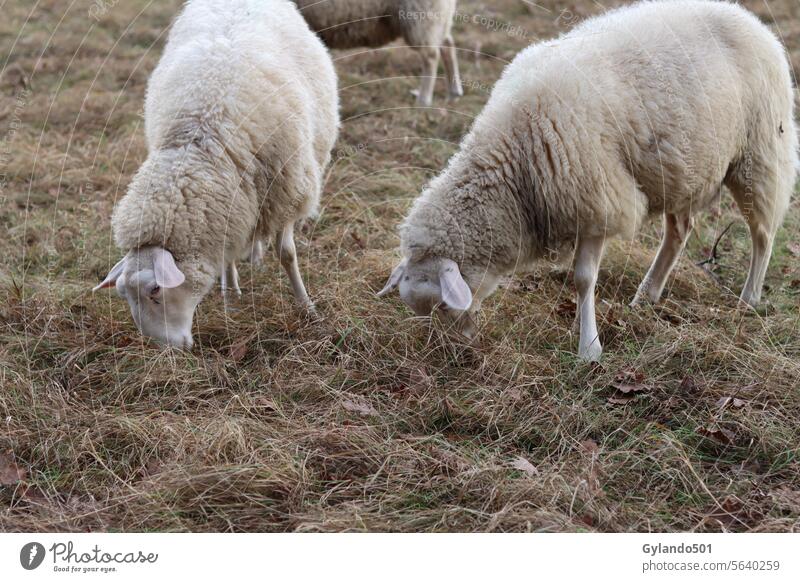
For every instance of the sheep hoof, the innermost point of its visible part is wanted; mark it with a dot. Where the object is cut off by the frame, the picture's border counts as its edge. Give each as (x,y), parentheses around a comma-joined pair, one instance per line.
(591,353)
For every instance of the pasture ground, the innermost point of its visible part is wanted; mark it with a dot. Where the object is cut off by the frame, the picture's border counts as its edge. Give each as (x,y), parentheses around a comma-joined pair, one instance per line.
(369,420)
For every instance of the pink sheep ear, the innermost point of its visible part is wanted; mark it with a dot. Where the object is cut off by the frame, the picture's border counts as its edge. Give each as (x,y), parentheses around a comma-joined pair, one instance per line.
(455,292)
(168,275)
(113,275)
(394,278)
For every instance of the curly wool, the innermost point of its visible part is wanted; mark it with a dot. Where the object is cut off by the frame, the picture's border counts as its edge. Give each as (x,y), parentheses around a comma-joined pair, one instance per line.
(644,110)
(240,117)
(344,24)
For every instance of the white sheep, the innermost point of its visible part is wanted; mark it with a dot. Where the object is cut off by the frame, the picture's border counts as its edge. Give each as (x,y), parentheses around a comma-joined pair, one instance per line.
(646,110)
(424,25)
(240,117)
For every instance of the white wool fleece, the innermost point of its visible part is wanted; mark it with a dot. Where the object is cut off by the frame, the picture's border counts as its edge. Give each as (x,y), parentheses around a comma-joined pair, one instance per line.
(240,117)
(645,110)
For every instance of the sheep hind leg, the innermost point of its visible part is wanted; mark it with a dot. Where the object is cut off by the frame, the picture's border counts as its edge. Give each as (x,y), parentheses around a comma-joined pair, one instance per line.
(588,254)
(676,232)
(257,252)
(762,198)
(762,238)
(287,254)
(450,60)
(430,57)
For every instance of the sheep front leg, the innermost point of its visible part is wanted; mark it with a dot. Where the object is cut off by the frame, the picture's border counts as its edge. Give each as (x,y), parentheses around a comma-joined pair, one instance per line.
(676,232)
(287,254)
(431,68)
(450,60)
(588,255)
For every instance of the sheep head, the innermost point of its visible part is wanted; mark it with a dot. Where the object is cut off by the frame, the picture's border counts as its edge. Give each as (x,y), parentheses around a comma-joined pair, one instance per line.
(161,297)
(434,285)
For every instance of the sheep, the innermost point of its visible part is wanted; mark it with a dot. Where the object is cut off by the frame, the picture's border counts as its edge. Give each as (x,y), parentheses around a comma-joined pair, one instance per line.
(241,115)
(425,25)
(646,110)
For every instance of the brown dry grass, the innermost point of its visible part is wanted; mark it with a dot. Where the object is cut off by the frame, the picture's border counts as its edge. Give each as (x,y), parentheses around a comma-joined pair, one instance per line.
(370,420)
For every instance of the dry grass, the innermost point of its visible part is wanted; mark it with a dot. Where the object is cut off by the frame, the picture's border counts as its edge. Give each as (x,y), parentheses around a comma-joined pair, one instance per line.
(370,420)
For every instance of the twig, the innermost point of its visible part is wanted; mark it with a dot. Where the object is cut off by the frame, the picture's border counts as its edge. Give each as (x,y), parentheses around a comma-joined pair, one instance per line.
(712,258)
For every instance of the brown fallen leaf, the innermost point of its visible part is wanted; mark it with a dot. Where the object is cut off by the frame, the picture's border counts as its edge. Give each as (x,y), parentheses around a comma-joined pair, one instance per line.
(360,406)
(627,384)
(524,465)
(718,434)
(730,401)
(591,447)
(730,511)
(592,450)
(567,308)
(786,499)
(10,472)
(689,386)
(238,352)
(621,399)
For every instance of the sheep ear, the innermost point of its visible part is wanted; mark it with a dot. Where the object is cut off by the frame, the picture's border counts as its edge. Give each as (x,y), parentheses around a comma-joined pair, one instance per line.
(394,278)
(113,275)
(168,275)
(455,291)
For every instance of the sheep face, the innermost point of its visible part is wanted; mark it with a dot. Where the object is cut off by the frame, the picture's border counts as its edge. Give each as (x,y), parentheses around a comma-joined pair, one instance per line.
(434,285)
(161,298)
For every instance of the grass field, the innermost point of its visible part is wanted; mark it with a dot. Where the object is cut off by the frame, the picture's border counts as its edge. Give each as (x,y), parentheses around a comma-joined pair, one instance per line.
(370,419)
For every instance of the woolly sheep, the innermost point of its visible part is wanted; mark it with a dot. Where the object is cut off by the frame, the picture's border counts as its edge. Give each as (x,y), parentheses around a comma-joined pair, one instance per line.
(240,117)
(645,110)
(425,25)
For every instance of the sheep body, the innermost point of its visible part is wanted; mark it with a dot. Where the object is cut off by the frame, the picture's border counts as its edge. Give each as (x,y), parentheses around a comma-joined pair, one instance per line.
(645,110)
(423,24)
(240,117)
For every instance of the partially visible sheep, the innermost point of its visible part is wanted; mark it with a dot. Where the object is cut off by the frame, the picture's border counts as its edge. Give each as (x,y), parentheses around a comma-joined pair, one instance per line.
(425,25)
(645,110)
(240,117)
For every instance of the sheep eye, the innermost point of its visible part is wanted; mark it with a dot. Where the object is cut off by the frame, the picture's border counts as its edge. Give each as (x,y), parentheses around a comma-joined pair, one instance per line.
(154,293)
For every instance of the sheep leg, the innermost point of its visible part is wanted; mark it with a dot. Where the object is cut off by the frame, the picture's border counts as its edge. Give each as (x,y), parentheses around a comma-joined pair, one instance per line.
(287,254)
(676,232)
(759,261)
(230,279)
(588,255)
(257,252)
(450,60)
(431,68)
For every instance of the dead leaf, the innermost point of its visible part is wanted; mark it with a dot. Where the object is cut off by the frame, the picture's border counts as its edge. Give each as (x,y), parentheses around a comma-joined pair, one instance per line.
(591,447)
(238,352)
(567,308)
(357,239)
(721,435)
(730,401)
(786,498)
(794,248)
(728,512)
(621,398)
(420,380)
(10,472)
(627,384)
(360,406)
(689,386)
(524,465)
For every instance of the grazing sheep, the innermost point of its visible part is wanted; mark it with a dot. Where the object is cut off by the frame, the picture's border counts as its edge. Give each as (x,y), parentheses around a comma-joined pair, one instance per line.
(425,25)
(240,117)
(646,110)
